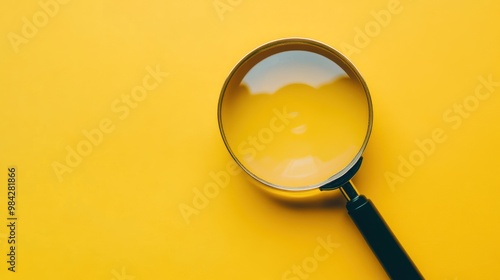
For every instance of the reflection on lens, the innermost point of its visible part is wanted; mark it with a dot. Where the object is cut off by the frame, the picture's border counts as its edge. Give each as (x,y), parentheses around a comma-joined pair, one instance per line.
(295,118)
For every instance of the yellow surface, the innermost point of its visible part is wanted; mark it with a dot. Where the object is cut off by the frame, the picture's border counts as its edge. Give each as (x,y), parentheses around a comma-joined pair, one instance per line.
(122,173)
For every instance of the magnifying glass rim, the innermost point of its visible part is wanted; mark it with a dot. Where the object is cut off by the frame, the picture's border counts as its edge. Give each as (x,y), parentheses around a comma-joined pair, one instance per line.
(351,70)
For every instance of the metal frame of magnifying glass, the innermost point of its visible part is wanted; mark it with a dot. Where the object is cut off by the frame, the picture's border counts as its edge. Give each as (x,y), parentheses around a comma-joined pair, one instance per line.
(339,180)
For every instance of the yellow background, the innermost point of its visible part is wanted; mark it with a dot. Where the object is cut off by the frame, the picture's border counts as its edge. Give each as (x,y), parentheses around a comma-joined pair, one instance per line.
(116,215)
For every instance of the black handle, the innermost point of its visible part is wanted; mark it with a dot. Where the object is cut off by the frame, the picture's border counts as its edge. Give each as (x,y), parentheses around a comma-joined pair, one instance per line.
(382,241)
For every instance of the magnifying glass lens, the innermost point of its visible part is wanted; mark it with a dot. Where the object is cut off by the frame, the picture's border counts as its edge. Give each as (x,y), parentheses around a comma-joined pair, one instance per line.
(295,118)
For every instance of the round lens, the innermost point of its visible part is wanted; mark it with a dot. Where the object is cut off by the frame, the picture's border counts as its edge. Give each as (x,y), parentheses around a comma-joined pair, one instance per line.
(295,116)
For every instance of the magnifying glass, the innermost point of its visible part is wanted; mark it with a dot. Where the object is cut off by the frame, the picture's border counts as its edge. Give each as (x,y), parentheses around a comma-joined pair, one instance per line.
(296,116)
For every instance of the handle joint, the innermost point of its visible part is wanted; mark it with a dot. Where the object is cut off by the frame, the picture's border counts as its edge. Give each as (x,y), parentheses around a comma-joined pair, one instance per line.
(349,191)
